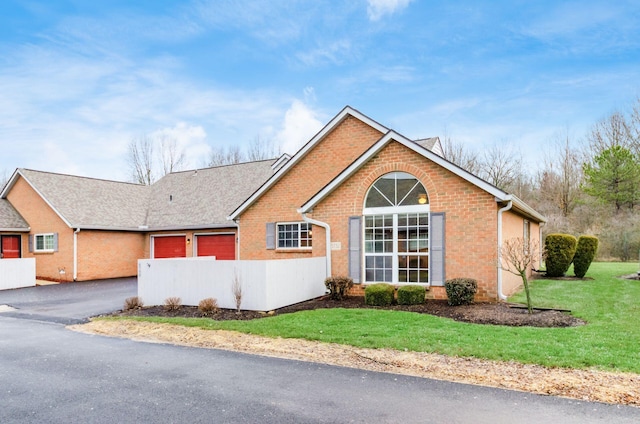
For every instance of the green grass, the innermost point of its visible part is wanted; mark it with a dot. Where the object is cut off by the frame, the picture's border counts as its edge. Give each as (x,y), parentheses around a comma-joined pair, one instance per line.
(610,341)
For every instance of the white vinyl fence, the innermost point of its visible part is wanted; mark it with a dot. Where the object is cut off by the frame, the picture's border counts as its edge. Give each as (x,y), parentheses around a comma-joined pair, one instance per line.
(266,285)
(17,273)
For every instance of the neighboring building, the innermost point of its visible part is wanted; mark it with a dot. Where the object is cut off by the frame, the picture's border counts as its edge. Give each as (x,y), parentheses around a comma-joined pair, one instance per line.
(378,206)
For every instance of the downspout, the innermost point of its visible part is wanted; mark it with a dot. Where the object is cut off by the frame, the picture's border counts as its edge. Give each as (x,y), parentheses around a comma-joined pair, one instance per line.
(328,237)
(501,295)
(75,254)
(237,221)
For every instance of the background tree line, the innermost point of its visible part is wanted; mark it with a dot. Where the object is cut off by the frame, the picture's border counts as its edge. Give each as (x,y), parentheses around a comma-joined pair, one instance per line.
(583,186)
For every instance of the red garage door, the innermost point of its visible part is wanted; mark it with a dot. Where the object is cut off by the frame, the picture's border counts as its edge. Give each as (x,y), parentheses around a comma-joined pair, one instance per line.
(169,247)
(222,246)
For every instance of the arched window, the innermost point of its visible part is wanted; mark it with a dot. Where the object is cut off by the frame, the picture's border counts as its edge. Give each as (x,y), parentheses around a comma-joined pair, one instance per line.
(396,230)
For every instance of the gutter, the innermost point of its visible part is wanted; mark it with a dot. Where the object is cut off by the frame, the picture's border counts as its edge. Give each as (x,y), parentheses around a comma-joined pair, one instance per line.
(501,295)
(327,232)
(75,254)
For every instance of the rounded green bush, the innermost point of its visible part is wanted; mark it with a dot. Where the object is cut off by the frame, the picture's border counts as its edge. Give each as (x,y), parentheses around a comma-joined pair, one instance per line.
(559,251)
(585,252)
(379,294)
(411,295)
(460,291)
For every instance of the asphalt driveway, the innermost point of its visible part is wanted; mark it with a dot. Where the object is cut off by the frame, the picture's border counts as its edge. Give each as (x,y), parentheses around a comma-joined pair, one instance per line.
(69,303)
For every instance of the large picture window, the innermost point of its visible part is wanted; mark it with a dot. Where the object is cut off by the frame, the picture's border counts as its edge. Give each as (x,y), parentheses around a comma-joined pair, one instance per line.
(396,230)
(294,235)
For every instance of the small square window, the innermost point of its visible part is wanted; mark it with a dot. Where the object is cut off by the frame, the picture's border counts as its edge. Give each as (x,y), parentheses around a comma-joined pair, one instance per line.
(296,235)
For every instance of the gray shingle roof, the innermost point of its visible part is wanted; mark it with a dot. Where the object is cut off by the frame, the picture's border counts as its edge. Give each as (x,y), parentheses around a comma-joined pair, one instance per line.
(204,197)
(10,219)
(189,199)
(92,203)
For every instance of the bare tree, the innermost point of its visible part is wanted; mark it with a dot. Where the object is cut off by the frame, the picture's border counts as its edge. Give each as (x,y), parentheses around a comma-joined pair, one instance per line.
(518,256)
(261,149)
(229,156)
(459,154)
(151,158)
(171,157)
(614,130)
(559,181)
(500,166)
(236,289)
(4,178)
(141,160)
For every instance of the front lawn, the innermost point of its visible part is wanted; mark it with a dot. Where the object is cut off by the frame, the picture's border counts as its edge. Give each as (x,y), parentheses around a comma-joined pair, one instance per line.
(610,340)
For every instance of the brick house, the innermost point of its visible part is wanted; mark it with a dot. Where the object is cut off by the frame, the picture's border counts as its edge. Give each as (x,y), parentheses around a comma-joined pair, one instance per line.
(82,229)
(376,205)
(381,207)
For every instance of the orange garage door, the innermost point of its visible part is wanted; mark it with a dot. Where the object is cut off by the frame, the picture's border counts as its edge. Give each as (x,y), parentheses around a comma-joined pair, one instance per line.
(222,246)
(169,247)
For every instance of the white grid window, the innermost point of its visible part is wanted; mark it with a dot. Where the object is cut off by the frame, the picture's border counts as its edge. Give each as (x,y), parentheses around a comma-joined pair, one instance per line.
(294,235)
(44,242)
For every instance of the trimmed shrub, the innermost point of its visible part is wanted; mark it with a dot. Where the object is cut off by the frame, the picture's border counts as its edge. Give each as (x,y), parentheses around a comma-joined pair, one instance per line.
(460,291)
(134,302)
(338,286)
(380,294)
(585,252)
(559,250)
(208,306)
(172,303)
(411,295)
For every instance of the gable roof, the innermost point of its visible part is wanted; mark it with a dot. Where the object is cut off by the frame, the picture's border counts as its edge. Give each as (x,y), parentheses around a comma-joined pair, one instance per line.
(10,219)
(304,150)
(390,136)
(204,197)
(190,199)
(87,203)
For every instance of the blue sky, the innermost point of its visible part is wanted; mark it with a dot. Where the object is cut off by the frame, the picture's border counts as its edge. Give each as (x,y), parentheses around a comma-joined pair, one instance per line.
(79,79)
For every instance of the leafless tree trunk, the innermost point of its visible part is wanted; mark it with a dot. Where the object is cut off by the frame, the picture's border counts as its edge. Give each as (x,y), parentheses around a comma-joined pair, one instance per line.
(500,166)
(171,157)
(261,149)
(151,158)
(459,154)
(220,156)
(518,256)
(559,182)
(236,288)
(141,160)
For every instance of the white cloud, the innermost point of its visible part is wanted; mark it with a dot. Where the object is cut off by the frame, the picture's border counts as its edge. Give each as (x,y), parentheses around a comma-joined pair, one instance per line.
(334,53)
(300,124)
(190,139)
(376,9)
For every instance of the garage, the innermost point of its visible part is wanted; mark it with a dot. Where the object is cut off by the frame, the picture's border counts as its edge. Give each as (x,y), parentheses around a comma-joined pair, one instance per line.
(222,246)
(169,247)
(10,247)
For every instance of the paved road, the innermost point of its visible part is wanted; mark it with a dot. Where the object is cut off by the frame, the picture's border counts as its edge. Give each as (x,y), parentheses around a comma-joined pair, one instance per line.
(53,375)
(69,303)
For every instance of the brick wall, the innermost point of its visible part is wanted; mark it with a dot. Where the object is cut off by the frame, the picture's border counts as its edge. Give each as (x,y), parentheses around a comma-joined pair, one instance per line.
(513,226)
(108,254)
(327,159)
(471,226)
(42,219)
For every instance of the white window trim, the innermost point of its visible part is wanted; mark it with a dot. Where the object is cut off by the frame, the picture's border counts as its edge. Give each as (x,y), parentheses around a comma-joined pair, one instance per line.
(298,223)
(35,242)
(424,209)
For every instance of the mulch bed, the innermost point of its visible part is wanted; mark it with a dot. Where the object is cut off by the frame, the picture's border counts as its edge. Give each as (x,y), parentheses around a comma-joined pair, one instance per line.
(478,313)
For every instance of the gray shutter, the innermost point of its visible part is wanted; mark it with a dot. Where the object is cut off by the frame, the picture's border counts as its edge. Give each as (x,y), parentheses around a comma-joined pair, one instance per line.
(271,235)
(436,251)
(355,250)
(55,242)
(30,243)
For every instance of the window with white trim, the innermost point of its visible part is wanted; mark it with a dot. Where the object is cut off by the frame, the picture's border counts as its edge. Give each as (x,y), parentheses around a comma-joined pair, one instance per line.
(396,230)
(294,235)
(44,242)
